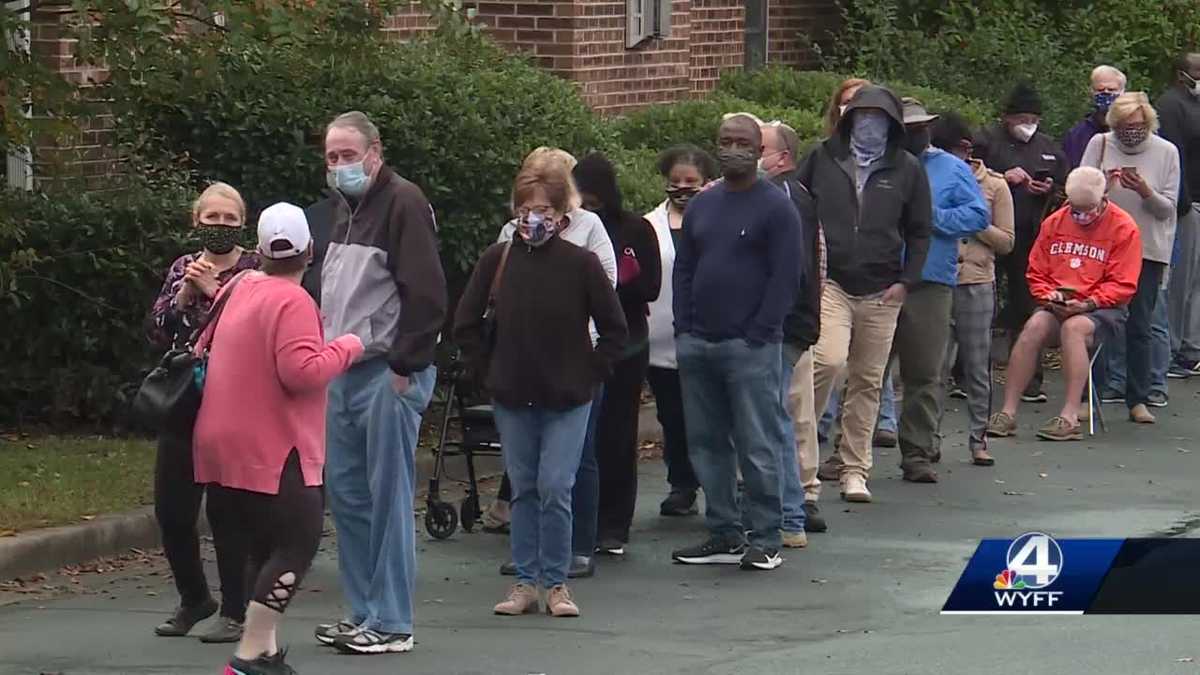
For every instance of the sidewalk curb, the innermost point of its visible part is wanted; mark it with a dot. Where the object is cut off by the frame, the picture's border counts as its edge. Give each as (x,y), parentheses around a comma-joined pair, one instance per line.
(51,548)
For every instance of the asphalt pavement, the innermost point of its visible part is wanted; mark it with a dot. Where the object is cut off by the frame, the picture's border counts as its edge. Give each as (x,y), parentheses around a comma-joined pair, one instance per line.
(864,598)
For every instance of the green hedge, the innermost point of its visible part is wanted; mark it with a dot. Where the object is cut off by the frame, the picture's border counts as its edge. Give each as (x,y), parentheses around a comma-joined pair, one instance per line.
(78,273)
(456,119)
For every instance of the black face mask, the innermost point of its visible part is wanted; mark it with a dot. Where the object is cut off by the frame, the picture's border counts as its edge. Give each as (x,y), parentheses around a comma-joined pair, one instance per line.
(219,239)
(917,141)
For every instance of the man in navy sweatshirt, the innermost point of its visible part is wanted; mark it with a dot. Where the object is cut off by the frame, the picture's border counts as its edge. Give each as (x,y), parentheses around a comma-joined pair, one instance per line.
(738,269)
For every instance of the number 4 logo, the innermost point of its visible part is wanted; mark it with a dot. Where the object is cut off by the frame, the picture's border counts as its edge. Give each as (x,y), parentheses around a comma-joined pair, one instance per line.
(1036,558)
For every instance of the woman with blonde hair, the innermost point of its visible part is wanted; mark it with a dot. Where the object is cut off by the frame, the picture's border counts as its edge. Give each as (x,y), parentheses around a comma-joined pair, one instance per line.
(1143,172)
(584,229)
(839,100)
(192,282)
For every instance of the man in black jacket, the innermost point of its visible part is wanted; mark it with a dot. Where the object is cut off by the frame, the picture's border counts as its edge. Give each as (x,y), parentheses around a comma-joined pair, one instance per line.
(1035,168)
(800,330)
(1179,116)
(873,203)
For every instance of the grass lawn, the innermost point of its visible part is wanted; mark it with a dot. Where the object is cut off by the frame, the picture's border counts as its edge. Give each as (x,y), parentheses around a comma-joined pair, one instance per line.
(58,480)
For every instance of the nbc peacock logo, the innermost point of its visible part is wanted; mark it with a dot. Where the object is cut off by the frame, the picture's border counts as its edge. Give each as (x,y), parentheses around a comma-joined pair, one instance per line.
(1008,580)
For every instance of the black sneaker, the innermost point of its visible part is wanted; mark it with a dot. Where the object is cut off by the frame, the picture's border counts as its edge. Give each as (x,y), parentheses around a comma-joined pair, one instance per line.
(957,392)
(679,503)
(611,546)
(1179,371)
(715,551)
(761,559)
(369,641)
(1038,396)
(185,618)
(1110,397)
(263,665)
(1157,399)
(582,567)
(813,520)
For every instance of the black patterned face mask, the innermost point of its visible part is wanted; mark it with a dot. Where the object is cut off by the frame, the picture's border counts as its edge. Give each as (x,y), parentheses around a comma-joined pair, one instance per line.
(219,239)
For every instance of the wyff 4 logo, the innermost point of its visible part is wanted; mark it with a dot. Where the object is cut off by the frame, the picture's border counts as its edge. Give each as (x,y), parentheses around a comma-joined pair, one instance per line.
(1034,562)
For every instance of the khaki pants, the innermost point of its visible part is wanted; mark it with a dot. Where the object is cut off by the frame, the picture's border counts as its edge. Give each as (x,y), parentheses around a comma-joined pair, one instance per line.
(856,335)
(804,421)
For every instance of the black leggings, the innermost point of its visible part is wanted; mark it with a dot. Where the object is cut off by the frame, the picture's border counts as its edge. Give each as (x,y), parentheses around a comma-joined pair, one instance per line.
(177,499)
(617,446)
(281,532)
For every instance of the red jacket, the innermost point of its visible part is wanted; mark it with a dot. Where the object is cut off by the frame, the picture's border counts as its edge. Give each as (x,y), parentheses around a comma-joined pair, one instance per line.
(1101,261)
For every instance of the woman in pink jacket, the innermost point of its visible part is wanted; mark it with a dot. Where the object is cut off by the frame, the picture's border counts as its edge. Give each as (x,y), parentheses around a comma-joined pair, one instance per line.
(259,441)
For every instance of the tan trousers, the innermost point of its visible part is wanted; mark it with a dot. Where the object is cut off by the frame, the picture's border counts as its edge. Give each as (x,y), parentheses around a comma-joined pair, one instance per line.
(804,420)
(856,335)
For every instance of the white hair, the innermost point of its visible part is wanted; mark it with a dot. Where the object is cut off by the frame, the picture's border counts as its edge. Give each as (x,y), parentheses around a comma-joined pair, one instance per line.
(1101,71)
(1086,186)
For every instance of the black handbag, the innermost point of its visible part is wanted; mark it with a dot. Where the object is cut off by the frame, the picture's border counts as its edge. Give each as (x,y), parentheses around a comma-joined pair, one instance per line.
(168,400)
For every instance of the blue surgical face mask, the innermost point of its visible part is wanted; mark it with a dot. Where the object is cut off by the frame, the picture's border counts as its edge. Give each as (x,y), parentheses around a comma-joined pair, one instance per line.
(351,179)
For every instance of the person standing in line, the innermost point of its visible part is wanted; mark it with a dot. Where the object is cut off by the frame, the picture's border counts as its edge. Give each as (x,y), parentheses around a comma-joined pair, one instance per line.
(382,280)
(268,352)
(1179,115)
(542,371)
(739,267)
(584,229)
(639,278)
(1107,84)
(187,294)
(923,328)
(873,203)
(1033,164)
(975,294)
(801,487)
(1143,175)
(686,170)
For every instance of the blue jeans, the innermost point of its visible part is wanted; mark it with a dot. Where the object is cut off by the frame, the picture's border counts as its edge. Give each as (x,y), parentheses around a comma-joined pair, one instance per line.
(1160,349)
(542,451)
(732,408)
(887,409)
(793,489)
(371,436)
(585,501)
(887,405)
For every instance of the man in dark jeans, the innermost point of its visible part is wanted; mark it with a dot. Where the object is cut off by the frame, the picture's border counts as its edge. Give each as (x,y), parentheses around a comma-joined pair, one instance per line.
(1035,168)
(737,272)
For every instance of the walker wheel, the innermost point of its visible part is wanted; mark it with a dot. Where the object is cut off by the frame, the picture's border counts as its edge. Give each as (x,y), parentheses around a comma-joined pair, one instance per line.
(441,520)
(468,513)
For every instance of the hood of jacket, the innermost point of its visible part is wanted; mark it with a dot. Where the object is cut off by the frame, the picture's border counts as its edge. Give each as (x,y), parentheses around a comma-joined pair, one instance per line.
(871,96)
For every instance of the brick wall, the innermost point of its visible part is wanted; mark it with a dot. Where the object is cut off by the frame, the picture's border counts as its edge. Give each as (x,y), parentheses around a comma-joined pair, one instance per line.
(409,22)
(717,43)
(790,26)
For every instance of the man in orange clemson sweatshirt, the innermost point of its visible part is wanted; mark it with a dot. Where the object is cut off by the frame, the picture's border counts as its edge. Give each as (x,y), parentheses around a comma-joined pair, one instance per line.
(1082,272)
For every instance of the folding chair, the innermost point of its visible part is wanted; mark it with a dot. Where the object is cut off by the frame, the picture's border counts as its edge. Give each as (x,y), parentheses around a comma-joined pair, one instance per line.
(1093,397)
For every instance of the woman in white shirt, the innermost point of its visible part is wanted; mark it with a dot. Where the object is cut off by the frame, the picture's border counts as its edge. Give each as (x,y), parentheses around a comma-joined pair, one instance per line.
(686,169)
(1143,179)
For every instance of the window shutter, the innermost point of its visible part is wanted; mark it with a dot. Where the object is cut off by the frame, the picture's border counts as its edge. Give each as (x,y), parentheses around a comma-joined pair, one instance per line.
(662,26)
(637,22)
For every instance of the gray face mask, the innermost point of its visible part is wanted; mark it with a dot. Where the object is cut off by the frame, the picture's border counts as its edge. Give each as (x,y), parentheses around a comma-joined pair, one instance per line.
(869,133)
(737,164)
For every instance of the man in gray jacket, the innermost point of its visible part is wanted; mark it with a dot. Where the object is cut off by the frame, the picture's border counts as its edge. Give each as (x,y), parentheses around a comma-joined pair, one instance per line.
(381,279)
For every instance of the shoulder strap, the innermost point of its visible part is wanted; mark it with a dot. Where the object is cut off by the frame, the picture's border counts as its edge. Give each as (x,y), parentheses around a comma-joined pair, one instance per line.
(208,326)
(499,271)
(1103,149)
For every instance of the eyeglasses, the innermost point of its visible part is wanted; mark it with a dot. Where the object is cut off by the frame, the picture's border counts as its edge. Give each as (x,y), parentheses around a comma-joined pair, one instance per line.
(543,211)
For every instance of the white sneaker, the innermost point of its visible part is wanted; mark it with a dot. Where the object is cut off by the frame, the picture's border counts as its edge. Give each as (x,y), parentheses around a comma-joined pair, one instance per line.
(854,488)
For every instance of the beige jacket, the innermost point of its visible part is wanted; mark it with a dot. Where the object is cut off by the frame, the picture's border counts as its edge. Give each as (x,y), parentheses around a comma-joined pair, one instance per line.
(977,254)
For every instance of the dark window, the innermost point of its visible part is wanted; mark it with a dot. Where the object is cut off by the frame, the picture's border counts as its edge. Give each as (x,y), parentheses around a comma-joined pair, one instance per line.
(756,34)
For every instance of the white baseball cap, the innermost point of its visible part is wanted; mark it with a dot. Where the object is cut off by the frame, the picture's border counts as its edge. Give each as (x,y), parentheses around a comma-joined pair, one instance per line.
(283,231)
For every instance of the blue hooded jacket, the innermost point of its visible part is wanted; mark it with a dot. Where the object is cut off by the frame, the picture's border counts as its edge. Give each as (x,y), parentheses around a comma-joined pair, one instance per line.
(959,211)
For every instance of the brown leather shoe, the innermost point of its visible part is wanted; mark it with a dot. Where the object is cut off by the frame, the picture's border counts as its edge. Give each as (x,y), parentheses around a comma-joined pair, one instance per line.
(920,471)
(831,469)
(559,602)
(1141,414)
(522,599)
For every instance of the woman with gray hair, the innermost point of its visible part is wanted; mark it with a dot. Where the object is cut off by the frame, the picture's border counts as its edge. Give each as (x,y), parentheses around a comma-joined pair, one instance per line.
(1142,173)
